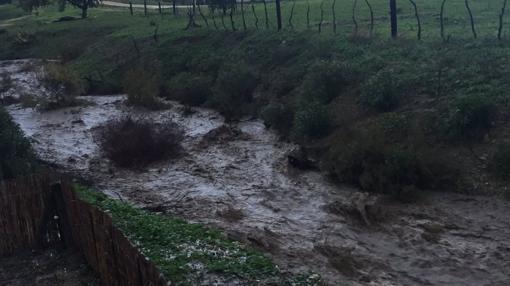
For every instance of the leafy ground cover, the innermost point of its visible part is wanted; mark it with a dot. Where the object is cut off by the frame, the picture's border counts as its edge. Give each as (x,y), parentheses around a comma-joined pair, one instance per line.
(186,253)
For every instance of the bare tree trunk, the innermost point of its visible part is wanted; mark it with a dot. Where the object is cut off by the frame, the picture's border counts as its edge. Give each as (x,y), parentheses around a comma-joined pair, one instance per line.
(159,8)
(174,9)
(232,23)
(255,16)
(155,35)
(471,19)
(278,14)
(417,18)
(203,16)
(135,45)
(223,21)
(292,14)
(334,15)
(191,20)
(214,21)
(145,7)
(354,21)
(265,13)
(308,14)
(501,16)
(441,19)
(131,8)
(393,16)
(322,16)
(242,15)
(84,12)
(371,17)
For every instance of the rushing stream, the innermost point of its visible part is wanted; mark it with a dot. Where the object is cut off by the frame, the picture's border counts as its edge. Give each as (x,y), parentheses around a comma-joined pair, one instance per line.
(236,177)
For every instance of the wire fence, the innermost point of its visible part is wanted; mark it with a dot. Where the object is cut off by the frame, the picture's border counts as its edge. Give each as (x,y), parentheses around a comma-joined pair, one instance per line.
(397,18)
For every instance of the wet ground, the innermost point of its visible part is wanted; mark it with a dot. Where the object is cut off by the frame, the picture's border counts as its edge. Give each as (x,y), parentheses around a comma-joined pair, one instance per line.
(236,177)
(47,268)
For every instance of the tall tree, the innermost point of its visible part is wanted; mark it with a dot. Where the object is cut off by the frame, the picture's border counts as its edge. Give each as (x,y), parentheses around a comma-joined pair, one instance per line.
(84,5)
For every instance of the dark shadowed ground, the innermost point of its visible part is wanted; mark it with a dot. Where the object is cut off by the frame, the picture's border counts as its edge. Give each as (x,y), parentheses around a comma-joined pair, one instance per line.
(47,268)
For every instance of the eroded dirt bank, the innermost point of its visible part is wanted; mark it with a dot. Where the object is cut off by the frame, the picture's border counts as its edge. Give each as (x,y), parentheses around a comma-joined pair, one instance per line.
(236,177)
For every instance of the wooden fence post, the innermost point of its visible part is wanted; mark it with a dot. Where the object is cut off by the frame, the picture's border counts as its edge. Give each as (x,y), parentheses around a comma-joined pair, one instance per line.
(278,15)
(63,218)
(393,17)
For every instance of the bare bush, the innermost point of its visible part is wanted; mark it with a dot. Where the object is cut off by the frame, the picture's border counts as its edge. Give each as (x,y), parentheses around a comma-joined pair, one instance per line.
(142,88)
(63,85)
(135,143)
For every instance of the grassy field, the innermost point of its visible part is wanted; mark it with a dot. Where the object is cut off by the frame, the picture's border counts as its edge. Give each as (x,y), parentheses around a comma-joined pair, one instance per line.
(456,18)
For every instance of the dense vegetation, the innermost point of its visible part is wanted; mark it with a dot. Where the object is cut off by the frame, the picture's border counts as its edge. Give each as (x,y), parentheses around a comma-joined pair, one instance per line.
(16,155)
(387,116)
(185,252)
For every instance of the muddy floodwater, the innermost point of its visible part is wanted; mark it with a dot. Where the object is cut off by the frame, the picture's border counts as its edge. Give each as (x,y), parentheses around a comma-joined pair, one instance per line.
(236,177)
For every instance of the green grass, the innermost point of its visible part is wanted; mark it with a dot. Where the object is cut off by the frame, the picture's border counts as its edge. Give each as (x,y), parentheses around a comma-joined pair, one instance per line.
(456,18)
(175,245)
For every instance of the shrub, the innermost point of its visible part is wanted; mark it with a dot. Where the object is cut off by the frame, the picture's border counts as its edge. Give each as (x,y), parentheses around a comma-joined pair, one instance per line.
(60,79)
(381,92)
(277,116)
(395,124)
(16,154)
(142,88)
(325,80)
(469,116)
(311,120)
(189,89)
(281,81)
(500,162)
(234,89)
(367,161)
(136,143)
(63,85)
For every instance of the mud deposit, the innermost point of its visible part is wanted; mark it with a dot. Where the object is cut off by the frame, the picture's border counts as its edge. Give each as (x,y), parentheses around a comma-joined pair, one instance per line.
(236,177)
(48,268)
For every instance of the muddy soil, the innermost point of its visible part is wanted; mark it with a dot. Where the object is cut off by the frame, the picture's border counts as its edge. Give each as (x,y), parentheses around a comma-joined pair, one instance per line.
(236,177)
(47,268)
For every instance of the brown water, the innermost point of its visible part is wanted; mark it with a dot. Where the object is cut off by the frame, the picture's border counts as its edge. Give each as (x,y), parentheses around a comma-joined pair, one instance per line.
(239,181)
